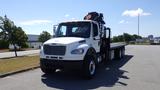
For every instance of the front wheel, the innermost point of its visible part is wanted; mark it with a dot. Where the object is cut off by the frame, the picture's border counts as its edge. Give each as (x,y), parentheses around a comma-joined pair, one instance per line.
(90,67)
(47,70)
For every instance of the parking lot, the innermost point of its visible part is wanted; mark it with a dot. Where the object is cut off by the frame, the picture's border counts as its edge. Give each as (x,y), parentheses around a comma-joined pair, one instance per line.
(139,70)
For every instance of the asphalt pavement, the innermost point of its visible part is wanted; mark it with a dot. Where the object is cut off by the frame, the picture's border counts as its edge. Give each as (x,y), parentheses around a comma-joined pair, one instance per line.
(139,70)
(19,53)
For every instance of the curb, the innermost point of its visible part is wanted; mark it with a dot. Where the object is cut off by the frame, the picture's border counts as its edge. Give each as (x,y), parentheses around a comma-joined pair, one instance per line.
(34,54)
(16,72)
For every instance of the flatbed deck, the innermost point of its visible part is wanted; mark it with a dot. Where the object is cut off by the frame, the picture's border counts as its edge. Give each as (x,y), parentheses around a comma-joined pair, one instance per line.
(117,45)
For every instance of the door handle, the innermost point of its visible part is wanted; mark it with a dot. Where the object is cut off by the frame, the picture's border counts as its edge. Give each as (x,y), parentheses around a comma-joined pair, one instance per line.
(95,38)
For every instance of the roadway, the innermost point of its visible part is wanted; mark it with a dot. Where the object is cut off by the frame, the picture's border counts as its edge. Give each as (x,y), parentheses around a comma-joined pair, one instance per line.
(139,70)
(19,53)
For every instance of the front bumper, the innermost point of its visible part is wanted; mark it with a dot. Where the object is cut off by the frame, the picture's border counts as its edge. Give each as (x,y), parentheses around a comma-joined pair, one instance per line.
(60,64)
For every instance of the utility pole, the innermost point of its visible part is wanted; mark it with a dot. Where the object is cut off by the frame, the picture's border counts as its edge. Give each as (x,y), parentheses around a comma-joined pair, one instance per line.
(138,23)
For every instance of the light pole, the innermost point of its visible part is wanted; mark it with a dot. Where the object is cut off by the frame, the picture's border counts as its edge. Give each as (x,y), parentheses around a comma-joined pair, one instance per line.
(138,23)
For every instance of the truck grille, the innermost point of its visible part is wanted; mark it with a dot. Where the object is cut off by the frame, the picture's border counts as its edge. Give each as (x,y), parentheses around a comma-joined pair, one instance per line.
(54,50)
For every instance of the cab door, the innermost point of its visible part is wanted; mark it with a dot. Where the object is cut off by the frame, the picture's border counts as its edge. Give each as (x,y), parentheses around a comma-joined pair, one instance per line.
(96,38)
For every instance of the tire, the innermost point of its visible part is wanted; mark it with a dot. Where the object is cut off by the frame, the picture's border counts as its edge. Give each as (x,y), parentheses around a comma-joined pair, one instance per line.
(120,54)
(123,52)
(105,58)
(47,70)
(116,54)
(90,66)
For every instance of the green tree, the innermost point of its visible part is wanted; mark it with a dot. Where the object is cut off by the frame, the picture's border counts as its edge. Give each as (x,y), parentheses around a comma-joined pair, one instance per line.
(4,44)
(136,37)
(19,36)
(14,35)
(125,38)
(115,39)
(6,27)
(44,36)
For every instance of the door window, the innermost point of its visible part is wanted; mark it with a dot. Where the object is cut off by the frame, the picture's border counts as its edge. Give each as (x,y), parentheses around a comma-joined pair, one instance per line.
(95,30)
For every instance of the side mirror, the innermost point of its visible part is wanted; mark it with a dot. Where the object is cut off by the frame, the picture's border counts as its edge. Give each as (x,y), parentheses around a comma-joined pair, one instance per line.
(107,32)
(54,30)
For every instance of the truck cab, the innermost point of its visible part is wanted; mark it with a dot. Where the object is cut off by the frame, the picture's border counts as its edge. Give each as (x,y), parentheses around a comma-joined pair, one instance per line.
(72,40)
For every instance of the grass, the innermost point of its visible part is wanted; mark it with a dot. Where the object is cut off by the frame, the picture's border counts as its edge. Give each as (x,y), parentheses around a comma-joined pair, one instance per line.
(18,63)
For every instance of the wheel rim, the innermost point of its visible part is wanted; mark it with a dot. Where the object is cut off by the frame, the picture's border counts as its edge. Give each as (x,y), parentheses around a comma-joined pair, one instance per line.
(121,54)
(92,67)
(99,58)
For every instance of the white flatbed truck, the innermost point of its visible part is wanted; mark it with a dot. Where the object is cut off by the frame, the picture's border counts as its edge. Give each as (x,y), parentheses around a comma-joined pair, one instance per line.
(80,44)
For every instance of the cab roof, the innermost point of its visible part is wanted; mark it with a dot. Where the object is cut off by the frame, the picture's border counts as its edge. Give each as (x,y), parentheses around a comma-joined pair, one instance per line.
(79,21)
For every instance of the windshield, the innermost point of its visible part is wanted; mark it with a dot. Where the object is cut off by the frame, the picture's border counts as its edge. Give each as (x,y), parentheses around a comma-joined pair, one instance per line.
(74,29)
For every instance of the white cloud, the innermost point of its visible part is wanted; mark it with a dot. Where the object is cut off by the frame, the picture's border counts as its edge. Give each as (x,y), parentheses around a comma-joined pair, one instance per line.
(134,13)
(35,22)
(127,22)
(123,21)
(67,15)
(73,18)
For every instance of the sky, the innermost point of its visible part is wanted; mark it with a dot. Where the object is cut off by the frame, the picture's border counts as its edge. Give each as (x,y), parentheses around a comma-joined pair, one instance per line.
(35,16)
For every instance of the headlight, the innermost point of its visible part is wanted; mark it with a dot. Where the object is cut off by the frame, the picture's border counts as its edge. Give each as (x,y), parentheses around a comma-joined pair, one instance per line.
(77,51)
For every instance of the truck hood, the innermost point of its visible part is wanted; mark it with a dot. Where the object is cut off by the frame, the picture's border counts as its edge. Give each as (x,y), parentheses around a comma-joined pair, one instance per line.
(64,40)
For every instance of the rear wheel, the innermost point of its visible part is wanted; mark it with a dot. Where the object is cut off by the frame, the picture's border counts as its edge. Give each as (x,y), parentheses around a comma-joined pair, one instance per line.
(123,52)
(119,53)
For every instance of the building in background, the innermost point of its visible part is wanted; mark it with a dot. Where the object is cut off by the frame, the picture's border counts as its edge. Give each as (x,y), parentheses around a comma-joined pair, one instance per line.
(157,40)
(33,41)
(150,37)
(154,40)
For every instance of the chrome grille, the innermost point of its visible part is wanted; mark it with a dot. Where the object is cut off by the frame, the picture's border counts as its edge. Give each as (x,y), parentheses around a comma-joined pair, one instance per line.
(54,50)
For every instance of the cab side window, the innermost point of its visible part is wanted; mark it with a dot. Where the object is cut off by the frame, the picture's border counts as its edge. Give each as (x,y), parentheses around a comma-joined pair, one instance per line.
(95,30)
